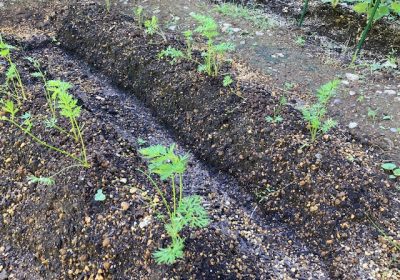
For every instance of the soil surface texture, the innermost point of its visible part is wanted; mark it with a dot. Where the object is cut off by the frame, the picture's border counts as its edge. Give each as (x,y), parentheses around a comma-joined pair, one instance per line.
(281,207)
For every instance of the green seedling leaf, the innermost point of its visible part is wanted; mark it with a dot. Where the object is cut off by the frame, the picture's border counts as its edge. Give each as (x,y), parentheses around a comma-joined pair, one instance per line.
(141,141)
(37,75)
(388,166)
(47,181)
(396,172)
(193,212)
(170,254)
(99,196)
(227,81)
(396,7)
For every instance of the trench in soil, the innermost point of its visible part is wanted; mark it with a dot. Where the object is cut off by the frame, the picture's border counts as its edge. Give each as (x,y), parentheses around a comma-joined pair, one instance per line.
(129,119)
(122,113)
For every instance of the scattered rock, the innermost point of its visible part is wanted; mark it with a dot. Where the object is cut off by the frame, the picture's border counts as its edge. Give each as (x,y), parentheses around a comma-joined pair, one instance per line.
(106,242)
(125,206)
(390,91)
(145,222)
(353,125)
(352,77)
(123,180)
(3,275)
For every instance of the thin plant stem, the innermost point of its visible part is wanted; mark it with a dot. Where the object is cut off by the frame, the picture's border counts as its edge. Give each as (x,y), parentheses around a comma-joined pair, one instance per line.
(180,188)
(43,143)
(366,30)
(83,148)
(303,13)
(174,194)
(159,191)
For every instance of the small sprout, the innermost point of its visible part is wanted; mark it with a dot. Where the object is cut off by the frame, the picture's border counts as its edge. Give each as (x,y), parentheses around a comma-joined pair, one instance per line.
(141,141)
(396,172)
(151,25)
(172,53)
(372,114)
(99,196)
(47,181)
(9,107)
(227,81)
(108,5)
(300,41)
(50,123)
(138,12)
(388,166)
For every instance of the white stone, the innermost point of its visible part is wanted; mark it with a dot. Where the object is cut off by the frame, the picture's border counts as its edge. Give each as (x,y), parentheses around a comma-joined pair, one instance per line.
(145,222)
(352,77)
(353,125)
(390,91)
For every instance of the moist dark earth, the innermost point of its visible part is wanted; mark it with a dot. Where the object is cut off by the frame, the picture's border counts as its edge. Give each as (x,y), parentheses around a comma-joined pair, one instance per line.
(280,209)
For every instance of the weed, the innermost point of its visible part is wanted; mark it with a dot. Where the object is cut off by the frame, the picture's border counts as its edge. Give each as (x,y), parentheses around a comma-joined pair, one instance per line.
(47,181)
(256,17)
(227,81)
(277,118)
(141,141)
(300,41)
(392,168)
(171,53)
(182,211)
(372,114)
(315,115)
(13,77)
(99,196)
(288,86)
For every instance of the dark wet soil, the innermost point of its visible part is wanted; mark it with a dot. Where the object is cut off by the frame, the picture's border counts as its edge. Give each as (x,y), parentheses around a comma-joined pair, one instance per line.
(325,194)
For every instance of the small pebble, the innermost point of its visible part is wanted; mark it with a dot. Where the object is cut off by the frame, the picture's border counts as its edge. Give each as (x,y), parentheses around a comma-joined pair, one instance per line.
(353,125)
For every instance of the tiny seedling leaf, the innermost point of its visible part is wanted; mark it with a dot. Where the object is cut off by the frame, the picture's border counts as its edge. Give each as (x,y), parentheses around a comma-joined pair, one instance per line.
(388,166)
(99,196)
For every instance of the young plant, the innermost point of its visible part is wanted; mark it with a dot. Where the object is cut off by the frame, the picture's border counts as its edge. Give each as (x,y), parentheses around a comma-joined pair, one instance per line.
(68,108)
(392,168)
(108,5)
(182,211)
(152,27)
(8,114)
(227,81)
(171,53)
(138,13)
(277,118)
(315,115)
(372,114)
(13,76)
(300,41)
(188,34)
(40,75)
(254,16)
(214,53)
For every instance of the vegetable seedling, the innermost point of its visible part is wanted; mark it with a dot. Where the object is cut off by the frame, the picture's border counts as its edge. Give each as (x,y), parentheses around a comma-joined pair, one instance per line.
(182,210)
